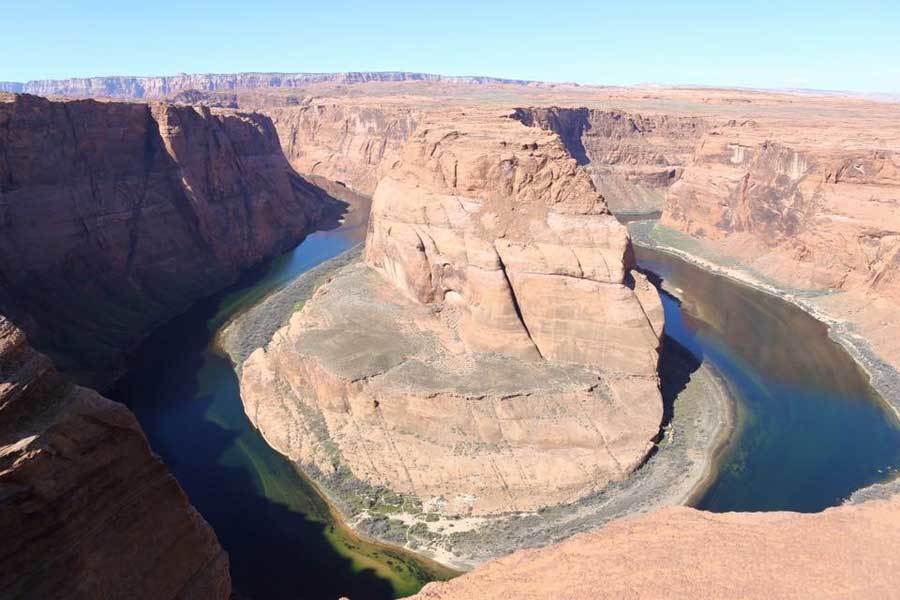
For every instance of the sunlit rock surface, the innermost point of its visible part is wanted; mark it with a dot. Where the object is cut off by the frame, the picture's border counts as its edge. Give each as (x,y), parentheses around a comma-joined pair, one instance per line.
(846,552)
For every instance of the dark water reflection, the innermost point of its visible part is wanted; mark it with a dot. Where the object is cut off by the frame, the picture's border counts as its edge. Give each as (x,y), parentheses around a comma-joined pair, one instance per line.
(811,429)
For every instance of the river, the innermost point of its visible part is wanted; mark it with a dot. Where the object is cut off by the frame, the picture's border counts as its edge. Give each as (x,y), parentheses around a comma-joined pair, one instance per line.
(811,430)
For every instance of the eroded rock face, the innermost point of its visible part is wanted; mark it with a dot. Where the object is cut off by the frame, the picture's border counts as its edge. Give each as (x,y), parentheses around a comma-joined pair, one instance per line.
(810,216)
(342,141)
(496,224)
(86,510)
(805,211)
(130,212)
(632,158)
(494,354)
(846,552)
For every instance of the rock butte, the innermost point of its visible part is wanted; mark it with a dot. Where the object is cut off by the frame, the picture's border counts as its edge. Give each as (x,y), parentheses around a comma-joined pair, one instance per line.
(495,353)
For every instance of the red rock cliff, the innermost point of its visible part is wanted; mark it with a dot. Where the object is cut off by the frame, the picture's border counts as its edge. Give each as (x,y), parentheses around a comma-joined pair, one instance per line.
(86,509)
(632,158)
(130,212)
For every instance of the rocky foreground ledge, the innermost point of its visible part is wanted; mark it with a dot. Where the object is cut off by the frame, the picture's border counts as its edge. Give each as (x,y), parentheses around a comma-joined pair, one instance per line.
(88,511)
(846,552)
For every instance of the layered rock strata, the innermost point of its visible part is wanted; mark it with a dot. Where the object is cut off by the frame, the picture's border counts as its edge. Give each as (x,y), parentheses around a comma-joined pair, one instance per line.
(492,356)
(632,158)
(801,217)
(499,227)
(130,212)
(86,509)
(344,142)
(830,210)
(846,552)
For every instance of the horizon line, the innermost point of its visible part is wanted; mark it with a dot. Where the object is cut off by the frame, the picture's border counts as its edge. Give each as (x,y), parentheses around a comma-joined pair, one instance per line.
(893,95)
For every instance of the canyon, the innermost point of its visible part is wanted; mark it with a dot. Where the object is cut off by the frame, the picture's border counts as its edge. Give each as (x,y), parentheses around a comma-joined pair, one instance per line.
(493,351)
(739,176)
(797,192)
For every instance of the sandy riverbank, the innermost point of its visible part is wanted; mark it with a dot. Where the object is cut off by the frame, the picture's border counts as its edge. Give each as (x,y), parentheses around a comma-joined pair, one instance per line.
(683,464)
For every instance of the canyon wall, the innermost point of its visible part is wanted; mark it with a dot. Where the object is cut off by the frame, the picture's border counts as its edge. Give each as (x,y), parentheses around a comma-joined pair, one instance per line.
(344,142)
(86,509)
(845,552)
(806,212)
(113,218)
(129,213)
(632,158)
(813,216)
(494,354)
(164,86)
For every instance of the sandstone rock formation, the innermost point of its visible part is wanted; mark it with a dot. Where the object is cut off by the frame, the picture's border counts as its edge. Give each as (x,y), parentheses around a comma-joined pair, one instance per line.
(633,159)
(497,358)
(499,226)
(86,509)
(846,552)
(130,212)
(366,380)
(803,212)
(342,141)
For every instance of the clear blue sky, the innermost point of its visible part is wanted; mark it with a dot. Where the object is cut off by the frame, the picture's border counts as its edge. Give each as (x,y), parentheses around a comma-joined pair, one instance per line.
(826,44)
